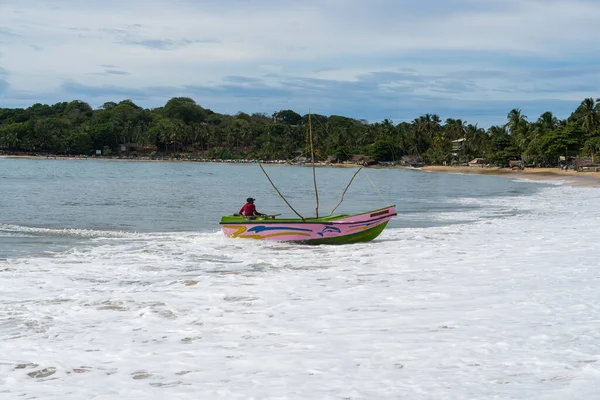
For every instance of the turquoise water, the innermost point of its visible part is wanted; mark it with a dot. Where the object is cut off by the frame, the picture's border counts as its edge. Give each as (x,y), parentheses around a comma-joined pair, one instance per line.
(43,201)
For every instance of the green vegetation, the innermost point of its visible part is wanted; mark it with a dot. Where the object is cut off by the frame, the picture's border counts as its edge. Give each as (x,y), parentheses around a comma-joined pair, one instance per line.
(183,127)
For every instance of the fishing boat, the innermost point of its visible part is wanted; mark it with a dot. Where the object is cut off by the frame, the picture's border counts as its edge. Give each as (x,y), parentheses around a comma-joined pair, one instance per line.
(337,229)
(332,229)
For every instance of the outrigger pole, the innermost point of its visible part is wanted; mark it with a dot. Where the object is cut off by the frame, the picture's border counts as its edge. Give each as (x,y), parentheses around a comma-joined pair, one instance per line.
(279,193)
(312,157)
(345,190)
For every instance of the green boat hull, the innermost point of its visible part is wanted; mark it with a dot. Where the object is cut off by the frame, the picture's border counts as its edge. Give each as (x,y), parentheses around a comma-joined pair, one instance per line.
(364,236)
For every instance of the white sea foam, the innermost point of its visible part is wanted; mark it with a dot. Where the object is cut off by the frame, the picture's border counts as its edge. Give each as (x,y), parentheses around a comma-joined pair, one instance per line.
(83,233)
(505,307)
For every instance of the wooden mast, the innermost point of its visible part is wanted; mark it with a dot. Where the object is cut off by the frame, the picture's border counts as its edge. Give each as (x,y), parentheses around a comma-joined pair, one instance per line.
(312,157)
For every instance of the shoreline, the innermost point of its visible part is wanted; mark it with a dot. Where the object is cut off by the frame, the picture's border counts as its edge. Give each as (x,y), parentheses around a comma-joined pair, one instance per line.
(569,177)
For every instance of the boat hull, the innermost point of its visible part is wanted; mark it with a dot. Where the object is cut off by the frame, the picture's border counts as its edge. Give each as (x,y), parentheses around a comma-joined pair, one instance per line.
(341,229)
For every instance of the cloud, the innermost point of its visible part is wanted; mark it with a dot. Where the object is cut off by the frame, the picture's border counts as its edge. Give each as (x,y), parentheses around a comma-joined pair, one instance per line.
(393,59)
(115,72)
(242,79)
(165,44)
(93,92)
(3,80)
(325,69)
(7,33)
(137,35)
(110,69)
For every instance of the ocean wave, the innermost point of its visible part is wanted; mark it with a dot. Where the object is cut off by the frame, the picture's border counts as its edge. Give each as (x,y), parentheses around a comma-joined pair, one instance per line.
(66,232)
(503,305)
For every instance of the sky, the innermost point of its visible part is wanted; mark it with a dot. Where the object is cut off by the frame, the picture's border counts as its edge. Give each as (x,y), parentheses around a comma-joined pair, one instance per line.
(377,59)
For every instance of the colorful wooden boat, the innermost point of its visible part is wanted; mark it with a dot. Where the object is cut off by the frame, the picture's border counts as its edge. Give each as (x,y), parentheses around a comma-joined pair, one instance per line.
(337,229)
(334,229)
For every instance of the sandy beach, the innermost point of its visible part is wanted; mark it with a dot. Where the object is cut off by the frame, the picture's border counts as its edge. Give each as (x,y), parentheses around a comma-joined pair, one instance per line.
(570,177)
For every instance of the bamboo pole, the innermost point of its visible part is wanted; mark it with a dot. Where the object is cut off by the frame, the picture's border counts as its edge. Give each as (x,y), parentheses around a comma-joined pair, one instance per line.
(278,192)
(312,156)
(349,183)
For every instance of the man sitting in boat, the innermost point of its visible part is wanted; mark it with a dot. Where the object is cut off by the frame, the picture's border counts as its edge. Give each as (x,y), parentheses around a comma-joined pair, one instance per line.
(249,209)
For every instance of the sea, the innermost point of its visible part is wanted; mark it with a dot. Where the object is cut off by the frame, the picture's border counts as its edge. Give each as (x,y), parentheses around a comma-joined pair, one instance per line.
(116,283)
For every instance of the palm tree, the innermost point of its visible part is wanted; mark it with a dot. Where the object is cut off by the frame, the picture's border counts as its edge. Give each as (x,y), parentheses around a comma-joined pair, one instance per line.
(590,114)
(427,126)
(455,128)
(475,142)
(517,126)
(589,111)
(548,121)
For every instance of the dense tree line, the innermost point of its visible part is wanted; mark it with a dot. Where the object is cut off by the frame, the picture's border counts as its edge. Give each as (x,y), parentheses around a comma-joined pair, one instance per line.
(183,127)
